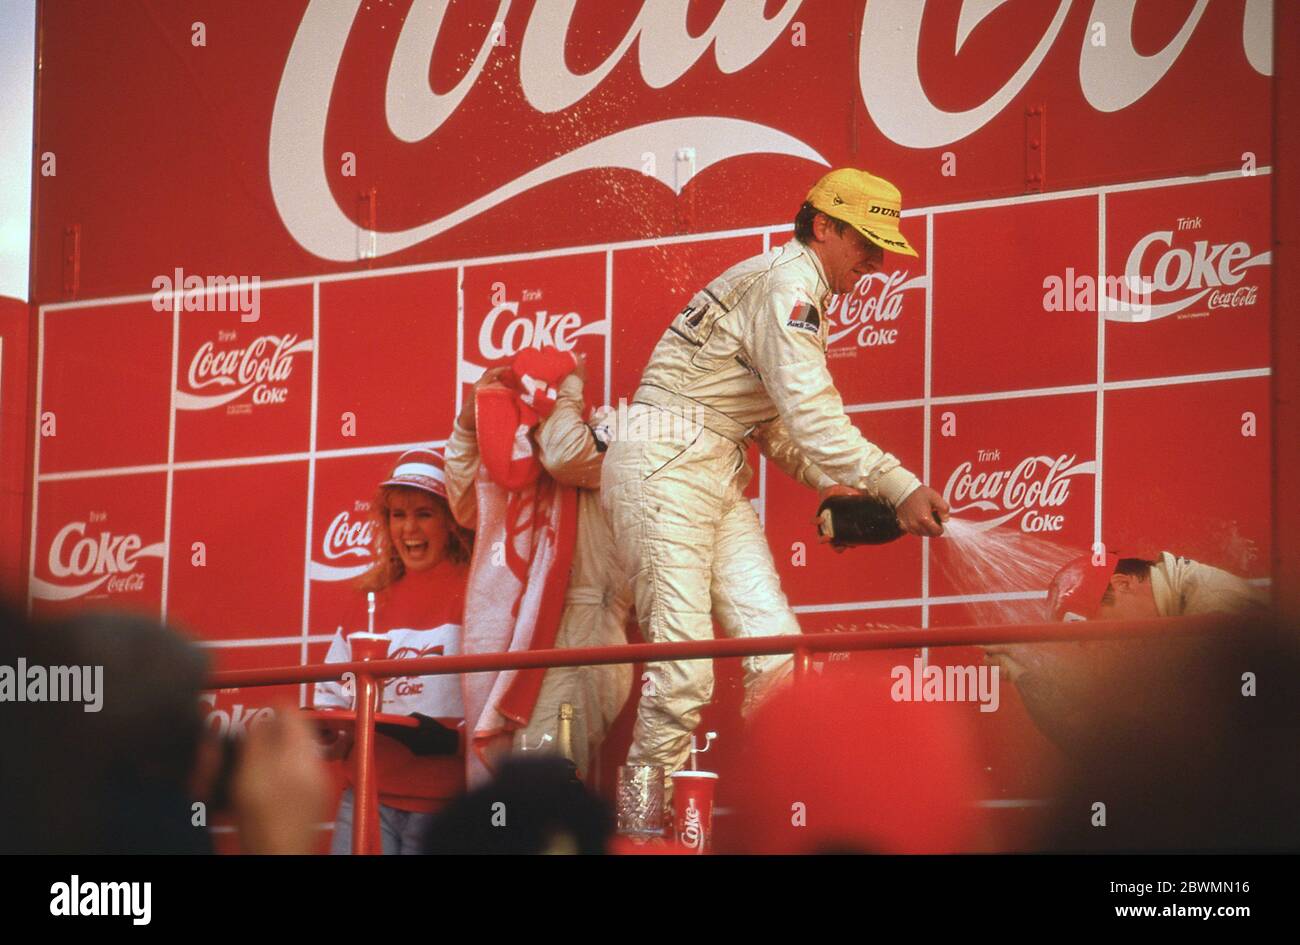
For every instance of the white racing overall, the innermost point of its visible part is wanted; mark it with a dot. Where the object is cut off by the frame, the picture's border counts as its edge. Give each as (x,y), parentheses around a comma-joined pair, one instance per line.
(745,360)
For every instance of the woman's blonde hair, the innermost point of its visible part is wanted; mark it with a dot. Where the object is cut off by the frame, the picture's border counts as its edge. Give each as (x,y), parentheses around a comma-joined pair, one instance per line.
(388,568)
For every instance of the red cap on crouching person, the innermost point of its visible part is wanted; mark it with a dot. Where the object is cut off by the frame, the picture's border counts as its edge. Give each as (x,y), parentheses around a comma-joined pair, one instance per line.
(1078,588)
(840,766)
(420,469)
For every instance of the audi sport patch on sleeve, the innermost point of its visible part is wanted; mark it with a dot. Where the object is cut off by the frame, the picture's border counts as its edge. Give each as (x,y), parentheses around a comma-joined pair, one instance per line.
(804,316)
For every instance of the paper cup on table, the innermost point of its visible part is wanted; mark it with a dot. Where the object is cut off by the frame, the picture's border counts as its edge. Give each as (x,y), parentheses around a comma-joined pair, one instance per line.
(369,646)
(693,803)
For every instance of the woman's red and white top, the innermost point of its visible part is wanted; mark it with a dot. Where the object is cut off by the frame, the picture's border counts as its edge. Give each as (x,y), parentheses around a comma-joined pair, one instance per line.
(421,614)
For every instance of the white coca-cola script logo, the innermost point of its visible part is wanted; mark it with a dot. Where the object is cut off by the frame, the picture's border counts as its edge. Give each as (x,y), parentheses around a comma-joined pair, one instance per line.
(1112,76)
(1238,298)
(345,539)
(404,686)
(1035,489)
(502,336)
(870,312)
(1205,268)
(106,559)
(262,366)
(692,829)
(409,685)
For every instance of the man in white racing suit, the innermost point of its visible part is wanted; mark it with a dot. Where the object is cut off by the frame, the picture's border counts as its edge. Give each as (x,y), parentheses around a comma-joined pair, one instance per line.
(745,360)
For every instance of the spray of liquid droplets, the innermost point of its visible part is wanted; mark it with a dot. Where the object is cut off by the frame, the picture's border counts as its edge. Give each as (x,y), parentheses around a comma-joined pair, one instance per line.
(1004,562)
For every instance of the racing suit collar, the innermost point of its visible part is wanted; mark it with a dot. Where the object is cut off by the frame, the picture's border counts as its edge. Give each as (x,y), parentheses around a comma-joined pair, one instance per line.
(824,287)
(1162,588)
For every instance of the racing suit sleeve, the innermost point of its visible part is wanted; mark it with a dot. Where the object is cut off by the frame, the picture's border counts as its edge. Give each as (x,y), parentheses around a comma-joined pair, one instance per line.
(774,440)
(784,340)
(460,467)
(1198,588)
(571,451)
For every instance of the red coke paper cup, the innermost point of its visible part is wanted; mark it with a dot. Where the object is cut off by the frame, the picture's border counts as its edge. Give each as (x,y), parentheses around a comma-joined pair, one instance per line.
(369,646)
(693,809)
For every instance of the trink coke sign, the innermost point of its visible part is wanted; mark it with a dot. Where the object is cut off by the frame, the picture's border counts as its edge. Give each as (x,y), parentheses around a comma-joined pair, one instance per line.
(505,332)
(81,563)
(1190,270)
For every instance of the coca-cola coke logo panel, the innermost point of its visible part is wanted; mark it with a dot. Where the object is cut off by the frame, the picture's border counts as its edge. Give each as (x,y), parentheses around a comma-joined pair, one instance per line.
(1026,467)
(237,550)
(244,388)
(104,379)
(875,345)
(1205,252)
(99,543)
(387,360)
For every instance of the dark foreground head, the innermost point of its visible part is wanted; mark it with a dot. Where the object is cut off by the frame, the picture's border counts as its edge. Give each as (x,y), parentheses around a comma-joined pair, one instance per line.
(1190,745)
(532,806)
(114,780)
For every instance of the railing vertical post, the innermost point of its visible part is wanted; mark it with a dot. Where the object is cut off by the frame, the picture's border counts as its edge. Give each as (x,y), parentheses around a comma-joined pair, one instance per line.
(802,665)
(366,647)
(365,802)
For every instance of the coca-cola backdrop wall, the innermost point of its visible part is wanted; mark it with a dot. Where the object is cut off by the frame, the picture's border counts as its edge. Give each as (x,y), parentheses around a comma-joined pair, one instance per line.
(280,240)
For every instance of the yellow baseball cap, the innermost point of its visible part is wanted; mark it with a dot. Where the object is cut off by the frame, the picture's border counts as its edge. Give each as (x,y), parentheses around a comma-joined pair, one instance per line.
(872,205)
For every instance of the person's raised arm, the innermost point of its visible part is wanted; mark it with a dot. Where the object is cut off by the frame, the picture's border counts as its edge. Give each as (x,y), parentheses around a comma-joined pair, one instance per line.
(570,450)
(461,457)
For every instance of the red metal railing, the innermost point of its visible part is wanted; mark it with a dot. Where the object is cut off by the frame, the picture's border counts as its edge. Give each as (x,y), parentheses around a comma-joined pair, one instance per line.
(368,672)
